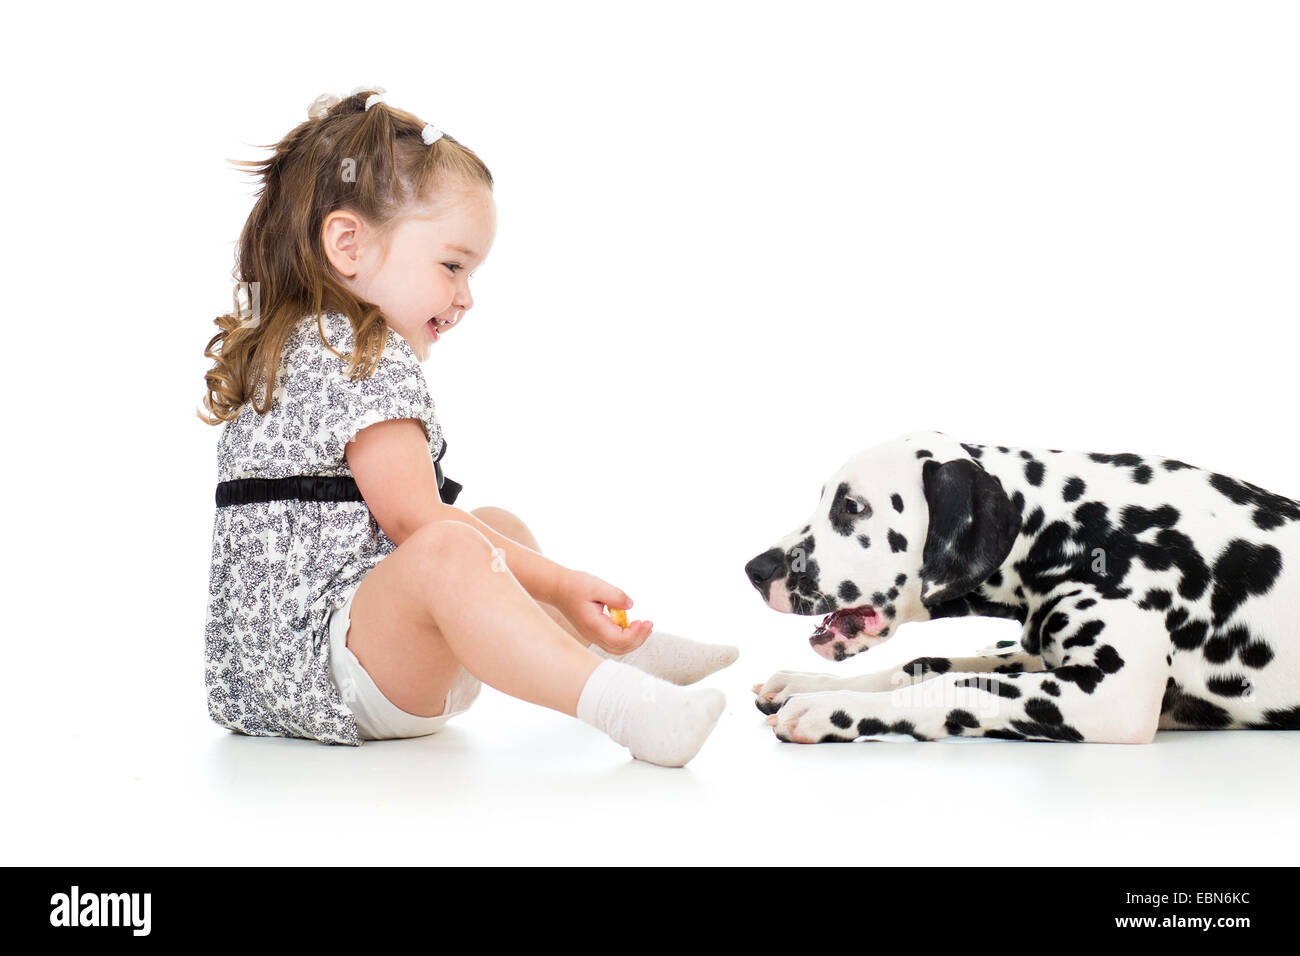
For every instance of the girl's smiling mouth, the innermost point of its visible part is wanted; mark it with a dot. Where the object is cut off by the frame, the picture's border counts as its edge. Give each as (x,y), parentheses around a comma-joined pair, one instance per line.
(436,327)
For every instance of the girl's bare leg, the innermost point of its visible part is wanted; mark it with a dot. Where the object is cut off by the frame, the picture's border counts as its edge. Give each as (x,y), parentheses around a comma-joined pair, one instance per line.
(436,603)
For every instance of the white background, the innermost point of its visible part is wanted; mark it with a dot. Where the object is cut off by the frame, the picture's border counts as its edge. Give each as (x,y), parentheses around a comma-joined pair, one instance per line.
(737,243)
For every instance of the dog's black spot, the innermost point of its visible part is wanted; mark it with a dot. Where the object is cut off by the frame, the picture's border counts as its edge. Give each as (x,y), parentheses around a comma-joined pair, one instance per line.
(1086,635)
(1219,648)
(923,453)
(994,580)
(868,726)
(927,665)
(864,541)
(897,501)
(1108,659)
(1034,473)
(1033,522)
(849,592)
(1242,569)
(1192,711)
(1229,686)
(957,720)
(1058,731)
(1136,519)
(1122,460)
(877,599)
(839,651)
(1001,688)
(1173,464)
(1074,489)
(1084,676)
(1054,623)
(1142,474)
(841,720)
(1256,654)
(1050,687)
(975,451)
(1187,637)
(899,581)
(1279,720)
(1004,734)
(892,593)
(1156,599)
(897,542)
(906,727)
(1043,711)
(825,605)
(1270,510)
(804,529)
(1084,604)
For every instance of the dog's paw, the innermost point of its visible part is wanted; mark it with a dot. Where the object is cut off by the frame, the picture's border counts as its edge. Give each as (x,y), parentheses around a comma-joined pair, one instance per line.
(817,718)
(783,685)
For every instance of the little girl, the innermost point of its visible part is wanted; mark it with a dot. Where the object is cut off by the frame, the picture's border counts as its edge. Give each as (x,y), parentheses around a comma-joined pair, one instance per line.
(348,598)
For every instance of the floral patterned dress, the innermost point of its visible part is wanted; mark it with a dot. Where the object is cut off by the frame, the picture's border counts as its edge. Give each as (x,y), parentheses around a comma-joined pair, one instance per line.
(293,538)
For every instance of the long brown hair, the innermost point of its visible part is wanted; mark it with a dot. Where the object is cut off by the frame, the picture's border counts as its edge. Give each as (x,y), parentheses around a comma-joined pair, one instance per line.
(372,162)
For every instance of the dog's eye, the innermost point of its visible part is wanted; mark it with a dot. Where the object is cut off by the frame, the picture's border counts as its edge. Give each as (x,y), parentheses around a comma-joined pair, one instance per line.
(856,506)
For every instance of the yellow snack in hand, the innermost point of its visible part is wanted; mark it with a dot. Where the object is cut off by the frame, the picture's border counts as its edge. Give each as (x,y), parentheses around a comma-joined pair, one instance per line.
(618,615)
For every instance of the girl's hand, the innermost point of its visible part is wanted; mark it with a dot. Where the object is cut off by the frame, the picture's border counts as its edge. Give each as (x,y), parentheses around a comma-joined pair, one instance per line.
(583,597)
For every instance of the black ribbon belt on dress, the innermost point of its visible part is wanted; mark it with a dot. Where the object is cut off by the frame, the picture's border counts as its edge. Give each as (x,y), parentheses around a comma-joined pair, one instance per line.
(244,491)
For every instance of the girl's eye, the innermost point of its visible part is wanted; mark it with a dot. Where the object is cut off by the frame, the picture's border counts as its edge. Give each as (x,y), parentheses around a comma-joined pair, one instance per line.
(453,266)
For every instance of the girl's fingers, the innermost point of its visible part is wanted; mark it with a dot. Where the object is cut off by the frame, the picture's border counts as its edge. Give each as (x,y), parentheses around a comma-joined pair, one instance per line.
(613,597)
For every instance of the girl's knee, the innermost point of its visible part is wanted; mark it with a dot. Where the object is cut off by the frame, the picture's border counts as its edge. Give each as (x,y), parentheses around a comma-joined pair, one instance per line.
(449,538)
(506,523)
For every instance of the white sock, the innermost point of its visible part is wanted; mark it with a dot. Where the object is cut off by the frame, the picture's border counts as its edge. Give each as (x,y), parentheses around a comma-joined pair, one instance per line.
(657,721)
(676,659)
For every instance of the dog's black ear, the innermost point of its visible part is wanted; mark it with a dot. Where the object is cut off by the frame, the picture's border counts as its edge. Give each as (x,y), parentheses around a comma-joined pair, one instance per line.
(973,525)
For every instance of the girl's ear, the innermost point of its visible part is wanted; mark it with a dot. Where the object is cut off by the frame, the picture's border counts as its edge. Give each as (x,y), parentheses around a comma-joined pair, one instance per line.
(973,525)
(341,236)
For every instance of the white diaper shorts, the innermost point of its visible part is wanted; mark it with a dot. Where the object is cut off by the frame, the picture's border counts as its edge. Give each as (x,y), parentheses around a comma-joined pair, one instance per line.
(378,718)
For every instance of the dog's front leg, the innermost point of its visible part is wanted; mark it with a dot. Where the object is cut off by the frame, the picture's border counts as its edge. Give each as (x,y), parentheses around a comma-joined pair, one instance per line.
(783,685)
(1106,688)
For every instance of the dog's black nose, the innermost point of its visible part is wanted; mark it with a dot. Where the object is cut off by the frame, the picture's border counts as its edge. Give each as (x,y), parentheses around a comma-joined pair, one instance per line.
(766,567)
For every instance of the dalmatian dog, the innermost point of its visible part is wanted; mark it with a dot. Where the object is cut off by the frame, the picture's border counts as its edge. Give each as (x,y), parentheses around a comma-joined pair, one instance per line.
(1154,595)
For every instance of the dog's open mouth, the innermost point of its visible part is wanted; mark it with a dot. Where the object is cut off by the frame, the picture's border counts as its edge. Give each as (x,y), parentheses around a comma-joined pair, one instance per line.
(846,624)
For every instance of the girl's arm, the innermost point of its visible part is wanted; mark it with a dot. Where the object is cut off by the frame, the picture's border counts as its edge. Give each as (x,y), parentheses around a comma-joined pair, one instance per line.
(390,462)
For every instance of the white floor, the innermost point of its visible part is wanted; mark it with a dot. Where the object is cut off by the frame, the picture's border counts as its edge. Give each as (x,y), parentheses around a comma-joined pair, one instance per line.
(512,783)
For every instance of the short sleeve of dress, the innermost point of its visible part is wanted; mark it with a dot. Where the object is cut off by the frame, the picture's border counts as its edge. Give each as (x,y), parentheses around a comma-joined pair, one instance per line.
(395,389)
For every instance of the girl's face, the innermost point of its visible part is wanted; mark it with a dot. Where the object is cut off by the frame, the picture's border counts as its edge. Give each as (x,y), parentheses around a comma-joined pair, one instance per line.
(421,280)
